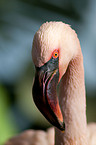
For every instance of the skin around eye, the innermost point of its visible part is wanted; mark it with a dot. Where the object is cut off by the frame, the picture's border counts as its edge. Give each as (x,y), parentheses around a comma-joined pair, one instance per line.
(55,54)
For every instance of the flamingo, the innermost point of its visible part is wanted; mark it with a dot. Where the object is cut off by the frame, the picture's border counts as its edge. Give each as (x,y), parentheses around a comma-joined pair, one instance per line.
(57,57)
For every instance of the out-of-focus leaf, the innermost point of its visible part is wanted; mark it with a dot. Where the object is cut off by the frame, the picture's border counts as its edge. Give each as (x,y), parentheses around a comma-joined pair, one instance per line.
(7,126)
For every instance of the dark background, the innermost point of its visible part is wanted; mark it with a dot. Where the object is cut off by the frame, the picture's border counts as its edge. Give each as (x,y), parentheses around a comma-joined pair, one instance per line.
(19,20)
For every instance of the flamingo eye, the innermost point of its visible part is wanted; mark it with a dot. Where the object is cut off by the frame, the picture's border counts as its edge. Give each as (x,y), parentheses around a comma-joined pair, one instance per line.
(55,54)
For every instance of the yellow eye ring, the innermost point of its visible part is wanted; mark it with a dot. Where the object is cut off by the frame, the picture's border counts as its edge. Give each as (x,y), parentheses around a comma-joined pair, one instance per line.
(55,54)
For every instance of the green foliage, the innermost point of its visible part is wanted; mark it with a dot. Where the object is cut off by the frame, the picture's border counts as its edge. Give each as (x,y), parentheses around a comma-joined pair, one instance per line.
(7,126)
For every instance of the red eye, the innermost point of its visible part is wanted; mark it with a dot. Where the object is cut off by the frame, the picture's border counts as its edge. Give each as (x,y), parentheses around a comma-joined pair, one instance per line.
(55,54)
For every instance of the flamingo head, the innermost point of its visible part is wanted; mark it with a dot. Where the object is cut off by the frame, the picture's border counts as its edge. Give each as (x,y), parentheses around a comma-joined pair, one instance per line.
(54,45)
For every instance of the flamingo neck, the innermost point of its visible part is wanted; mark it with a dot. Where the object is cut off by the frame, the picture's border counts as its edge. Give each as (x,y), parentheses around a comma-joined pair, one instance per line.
(73,104)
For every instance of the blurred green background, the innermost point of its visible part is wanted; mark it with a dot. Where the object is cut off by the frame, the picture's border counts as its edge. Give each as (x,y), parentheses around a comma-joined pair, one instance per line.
(19,20)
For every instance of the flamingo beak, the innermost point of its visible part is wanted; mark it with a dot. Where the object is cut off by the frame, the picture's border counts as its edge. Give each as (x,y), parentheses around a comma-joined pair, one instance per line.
(44,92)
